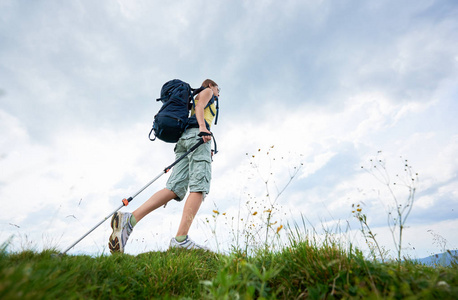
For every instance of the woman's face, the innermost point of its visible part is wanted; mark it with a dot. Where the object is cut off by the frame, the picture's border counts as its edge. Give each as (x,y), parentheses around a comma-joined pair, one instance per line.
(215,90)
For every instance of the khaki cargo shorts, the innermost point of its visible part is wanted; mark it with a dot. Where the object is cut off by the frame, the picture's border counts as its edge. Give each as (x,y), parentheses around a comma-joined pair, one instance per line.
(193,171)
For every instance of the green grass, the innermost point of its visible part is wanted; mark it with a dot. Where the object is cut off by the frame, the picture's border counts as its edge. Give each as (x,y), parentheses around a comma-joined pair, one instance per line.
(301,270)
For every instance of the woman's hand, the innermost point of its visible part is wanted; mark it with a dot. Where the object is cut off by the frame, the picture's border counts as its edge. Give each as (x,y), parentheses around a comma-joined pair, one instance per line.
(205,134)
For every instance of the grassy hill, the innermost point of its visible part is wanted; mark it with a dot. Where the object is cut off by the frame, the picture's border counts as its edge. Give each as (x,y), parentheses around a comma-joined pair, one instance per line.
(302,270)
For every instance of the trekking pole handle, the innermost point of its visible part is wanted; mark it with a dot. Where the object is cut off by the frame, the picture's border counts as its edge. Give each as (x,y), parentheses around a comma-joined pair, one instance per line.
(201,134)
(204,134)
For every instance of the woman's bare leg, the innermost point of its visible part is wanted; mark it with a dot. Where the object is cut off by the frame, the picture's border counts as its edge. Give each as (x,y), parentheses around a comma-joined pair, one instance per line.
(190,210)
(157,200)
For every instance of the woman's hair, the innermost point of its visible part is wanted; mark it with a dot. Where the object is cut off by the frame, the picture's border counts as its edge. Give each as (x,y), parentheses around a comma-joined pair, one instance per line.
(207,83)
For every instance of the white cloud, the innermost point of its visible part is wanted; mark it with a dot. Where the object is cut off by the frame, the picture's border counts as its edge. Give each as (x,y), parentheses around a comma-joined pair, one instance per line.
(303,76)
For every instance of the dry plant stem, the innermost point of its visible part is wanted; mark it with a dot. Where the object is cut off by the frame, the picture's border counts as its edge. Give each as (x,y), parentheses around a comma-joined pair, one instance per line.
(369,234)
(272,200)
(272,203)
(402,210)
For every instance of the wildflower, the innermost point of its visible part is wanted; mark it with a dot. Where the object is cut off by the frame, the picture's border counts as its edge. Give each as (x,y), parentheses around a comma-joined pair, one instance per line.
(268,210)
(216,212)
(279,228)
(359,210)
(224,214)
(255,213)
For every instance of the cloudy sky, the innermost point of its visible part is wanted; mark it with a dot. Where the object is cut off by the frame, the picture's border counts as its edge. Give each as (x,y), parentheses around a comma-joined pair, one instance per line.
(311,91)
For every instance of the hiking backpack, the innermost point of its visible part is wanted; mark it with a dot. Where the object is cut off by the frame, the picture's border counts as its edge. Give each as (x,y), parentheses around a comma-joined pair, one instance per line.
(172,119)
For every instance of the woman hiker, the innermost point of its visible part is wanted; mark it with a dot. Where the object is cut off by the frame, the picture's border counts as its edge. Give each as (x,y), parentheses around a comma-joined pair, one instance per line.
(193,172)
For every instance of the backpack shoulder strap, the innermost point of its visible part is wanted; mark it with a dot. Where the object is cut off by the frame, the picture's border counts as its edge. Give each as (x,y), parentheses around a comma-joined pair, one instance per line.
(212,100)
(193,95)
(216,99)
(197,91)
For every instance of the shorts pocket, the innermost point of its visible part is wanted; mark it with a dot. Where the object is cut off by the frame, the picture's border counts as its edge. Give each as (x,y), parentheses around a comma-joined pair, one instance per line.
(200,175)
(204,172)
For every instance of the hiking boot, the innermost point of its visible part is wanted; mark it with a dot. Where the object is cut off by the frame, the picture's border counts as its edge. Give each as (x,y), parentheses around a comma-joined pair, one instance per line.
(186,244)
(120,222)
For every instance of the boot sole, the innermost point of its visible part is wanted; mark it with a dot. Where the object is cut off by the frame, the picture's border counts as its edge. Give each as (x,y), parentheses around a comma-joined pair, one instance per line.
(114,243)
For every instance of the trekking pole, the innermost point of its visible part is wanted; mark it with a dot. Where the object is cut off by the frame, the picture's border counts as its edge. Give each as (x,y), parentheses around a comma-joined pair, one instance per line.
(126,202)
